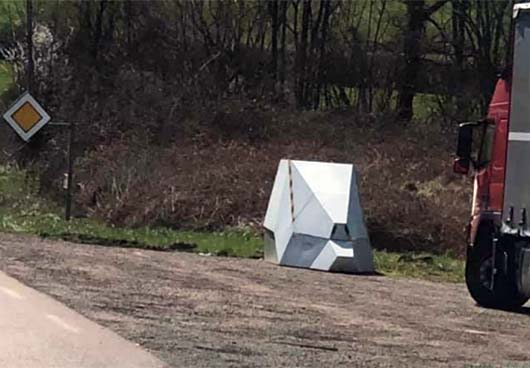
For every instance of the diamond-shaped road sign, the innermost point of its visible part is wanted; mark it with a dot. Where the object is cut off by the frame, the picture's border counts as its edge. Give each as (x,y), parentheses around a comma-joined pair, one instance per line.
(26,116)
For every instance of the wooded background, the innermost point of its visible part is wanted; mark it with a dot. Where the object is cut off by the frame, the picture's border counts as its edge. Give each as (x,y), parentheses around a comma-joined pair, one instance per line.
(396,56)
(185,107)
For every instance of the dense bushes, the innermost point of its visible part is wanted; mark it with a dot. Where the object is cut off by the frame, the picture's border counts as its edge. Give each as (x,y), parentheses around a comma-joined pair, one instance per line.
(411,199)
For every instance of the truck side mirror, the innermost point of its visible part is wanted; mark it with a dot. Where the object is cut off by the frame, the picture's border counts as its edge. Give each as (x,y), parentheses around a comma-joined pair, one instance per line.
(463,150)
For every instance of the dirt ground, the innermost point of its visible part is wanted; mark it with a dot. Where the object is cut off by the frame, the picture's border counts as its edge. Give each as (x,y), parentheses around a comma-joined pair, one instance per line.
(194,311)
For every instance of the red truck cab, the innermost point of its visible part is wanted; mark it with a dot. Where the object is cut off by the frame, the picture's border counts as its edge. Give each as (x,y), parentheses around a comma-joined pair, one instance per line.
(497,150)
(492,260)
(491,159)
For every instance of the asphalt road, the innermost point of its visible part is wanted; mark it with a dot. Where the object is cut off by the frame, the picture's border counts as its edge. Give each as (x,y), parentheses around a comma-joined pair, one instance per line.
(39,332)
(193,311)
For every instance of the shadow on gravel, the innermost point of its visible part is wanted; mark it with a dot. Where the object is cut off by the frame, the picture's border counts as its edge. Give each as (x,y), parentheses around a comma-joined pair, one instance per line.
(525,311)
(96,240)
(521,310)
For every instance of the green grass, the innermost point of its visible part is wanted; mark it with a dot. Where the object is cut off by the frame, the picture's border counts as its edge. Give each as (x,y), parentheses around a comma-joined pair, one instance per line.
(233,243)
(5,76)
(22,211)
(420,265)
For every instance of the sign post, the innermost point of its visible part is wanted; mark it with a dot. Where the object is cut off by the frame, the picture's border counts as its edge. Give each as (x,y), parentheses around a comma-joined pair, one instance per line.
(26,116)
(29,40)
(69,179)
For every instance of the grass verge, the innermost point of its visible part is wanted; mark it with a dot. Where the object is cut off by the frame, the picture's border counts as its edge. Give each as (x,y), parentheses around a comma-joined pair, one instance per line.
(420,265)
(22,211)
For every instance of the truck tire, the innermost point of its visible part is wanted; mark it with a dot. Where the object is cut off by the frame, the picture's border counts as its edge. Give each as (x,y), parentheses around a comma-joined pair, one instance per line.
(505,294)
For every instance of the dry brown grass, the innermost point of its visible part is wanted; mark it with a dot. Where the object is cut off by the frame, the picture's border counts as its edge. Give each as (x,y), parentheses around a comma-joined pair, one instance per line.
(212,180)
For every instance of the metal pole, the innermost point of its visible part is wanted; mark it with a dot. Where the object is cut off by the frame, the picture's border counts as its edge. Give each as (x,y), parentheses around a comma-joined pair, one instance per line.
(29,39)
(69,179)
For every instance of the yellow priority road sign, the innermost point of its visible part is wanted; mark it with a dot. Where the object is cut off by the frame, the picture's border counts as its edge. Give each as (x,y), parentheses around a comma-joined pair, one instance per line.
(26,116)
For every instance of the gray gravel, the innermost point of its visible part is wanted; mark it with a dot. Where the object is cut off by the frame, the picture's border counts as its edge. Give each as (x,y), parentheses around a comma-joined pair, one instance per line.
(194,311)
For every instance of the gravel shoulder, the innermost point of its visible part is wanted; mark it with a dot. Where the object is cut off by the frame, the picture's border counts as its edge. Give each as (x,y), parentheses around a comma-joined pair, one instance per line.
(194,311)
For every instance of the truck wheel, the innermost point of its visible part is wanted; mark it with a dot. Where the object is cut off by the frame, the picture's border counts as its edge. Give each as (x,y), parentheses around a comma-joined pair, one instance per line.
(479,268)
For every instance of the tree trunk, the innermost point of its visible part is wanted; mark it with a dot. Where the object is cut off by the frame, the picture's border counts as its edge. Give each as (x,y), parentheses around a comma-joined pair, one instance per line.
(29,39)
(273,5)
(458,17)
(412,58)
(322,56)
(417,14)
(302,56)
(282,43)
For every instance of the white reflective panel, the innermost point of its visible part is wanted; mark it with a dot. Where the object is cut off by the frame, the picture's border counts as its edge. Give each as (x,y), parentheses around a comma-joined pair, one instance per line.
(325,177)
(342,249)
(339,257)
(313,220)
(302,250)
(302,193)
(283,229)
(325,259)
(276,200)
(283,214)
(335,205)
(282,237)
(330,183)
(326,205)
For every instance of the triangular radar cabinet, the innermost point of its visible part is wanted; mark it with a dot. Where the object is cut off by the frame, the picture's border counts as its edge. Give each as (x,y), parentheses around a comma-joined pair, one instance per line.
(315,220)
